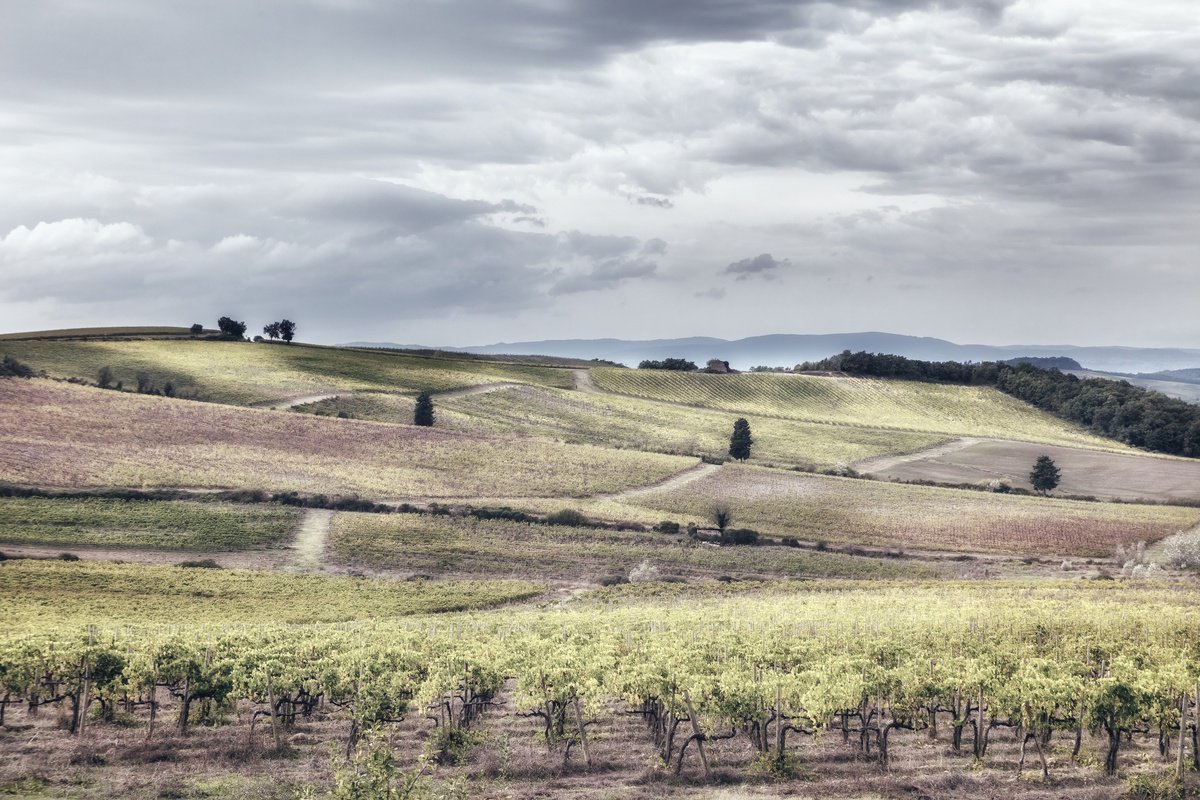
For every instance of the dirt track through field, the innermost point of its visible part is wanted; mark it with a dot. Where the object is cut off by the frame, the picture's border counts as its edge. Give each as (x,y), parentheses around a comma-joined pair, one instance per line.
(291,402)
(674,482)
(483,388)
(584,383)
(309,545)
(882,463)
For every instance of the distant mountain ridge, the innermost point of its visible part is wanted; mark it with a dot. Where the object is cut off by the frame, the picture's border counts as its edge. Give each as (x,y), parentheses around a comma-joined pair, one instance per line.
(787,350)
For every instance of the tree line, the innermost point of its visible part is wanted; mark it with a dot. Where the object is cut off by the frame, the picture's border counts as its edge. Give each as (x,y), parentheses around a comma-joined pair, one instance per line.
(1111,408)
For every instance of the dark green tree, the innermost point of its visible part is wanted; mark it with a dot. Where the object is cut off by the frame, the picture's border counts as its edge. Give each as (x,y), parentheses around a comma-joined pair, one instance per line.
(1045,475)
(197,329)
(231,327)
(271,330)
(423,413)
(739,443)
(287,330)
(104,377)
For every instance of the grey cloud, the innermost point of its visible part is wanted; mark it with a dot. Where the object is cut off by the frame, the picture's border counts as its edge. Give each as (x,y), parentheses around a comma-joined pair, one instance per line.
(657,202)
(763,266)
(440,255)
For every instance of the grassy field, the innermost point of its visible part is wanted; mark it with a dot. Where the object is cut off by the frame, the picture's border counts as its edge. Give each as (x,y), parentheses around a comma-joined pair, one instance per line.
(815,507)
(243,373)
(495,548)
(633,423)
(162,525)
(55,434)
(860,402)
(68,333)
(49,593)
(1084,472)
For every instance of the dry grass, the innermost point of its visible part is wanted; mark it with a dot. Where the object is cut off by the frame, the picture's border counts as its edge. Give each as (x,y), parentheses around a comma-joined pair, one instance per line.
(243,373)
(1084,472)
(815,507)
(858,402)
(54,434)
(458,546)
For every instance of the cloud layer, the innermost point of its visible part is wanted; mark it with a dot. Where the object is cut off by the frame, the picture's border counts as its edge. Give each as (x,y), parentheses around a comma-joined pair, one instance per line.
(467,171)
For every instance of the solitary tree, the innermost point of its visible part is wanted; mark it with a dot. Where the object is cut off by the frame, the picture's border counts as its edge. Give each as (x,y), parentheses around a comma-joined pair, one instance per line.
(1045,475)
(722,517)
(197,329)
(287,330)
(423,414)
(272,330)
(231,327)
(739,443)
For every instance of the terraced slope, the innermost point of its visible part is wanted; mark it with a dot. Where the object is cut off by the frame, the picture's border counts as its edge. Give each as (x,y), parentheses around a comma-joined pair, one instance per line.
(57,434)
(244,373)
(858,402)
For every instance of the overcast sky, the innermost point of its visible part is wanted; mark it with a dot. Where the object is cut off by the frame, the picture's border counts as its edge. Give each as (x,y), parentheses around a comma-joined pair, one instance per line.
(471,171)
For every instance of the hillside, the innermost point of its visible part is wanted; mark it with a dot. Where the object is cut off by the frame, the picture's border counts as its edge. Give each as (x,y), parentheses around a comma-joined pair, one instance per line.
(857,402)
(245,373)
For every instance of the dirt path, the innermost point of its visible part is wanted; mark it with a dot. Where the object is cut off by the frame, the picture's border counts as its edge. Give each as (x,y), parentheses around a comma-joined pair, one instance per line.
(584,383)
(309,546)
(483,388)
(285,403)
(883,463)
(674,482)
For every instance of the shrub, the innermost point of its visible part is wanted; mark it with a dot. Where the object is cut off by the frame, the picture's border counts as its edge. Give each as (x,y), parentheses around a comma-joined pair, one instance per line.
(203,563)
(196,329)
(67,557)
(789,541)
(666,526)
(11,368)
(739,536)
(104,377)
(568,516)
(1182,551)
(613,580)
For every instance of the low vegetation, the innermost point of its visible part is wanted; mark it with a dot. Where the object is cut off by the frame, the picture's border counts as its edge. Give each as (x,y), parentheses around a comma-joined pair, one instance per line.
(162,525)
(425,544)
(42,594)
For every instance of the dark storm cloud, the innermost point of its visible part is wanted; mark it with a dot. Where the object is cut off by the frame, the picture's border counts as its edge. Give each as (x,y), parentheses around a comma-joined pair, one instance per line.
(761,266)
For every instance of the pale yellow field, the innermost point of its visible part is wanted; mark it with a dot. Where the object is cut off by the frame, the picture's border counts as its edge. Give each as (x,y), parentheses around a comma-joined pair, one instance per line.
(244,373)
(943,409)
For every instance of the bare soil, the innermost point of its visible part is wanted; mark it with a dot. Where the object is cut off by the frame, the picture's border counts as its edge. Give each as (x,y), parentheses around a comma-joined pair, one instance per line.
(1105,476)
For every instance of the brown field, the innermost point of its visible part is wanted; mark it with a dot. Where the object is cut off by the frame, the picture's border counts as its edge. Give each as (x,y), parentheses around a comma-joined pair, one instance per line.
(845,510)
(1108,476)
(61,435)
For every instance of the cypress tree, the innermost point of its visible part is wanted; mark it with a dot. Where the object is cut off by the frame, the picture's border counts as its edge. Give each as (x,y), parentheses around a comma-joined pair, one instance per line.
(1045,474)
(423,414)
(739,443)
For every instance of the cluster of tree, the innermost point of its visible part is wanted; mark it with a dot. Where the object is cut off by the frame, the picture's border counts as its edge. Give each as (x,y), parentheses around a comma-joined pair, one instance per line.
(1111,408)
(676,364)
(231,328)
(284,329)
